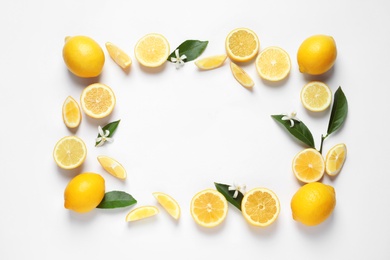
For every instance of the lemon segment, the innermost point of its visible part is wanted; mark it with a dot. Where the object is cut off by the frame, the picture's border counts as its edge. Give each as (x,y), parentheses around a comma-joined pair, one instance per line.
(112,166)
(308,165)
(152,50)
(335,159)
(70,152)
(241,76)
(97,100)
(242,45)
(168,203)
(71,113)
(316,96)
(118,55)
(141,213)
(273,64)
(211,62)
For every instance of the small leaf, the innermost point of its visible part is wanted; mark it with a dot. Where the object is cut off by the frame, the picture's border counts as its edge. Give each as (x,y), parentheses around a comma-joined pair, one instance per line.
(110,127)
(299,130)
(228,194)
(116,199)
(339,111)
(191,48)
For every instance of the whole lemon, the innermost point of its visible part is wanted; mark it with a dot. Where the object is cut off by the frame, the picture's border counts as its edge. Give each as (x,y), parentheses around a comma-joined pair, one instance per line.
(317,54)
(83,56)
(313,203)
(84,192)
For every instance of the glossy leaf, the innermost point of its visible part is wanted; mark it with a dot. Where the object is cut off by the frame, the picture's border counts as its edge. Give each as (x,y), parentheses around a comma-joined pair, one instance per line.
(228,194)
(110,127)
(339,111)
(191,48)
(116,199)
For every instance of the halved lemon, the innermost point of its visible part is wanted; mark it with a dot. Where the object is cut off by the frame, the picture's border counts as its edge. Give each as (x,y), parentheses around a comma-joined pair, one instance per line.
(242,45)
(118,55)
(152,50)
(308,165)
(112,166)
(241,76)
(97,100)
(211,62)
(209,208)
(273,63)
(168,203)
(70,152)
(335,159)
(71,113)
(141,213)
(316,96)
(260,207)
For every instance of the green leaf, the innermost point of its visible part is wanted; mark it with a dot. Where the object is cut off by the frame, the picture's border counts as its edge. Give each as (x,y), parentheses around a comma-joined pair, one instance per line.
(228,194)
(116,199)
(110,127)
(299,130)
(191,48)
(339,111)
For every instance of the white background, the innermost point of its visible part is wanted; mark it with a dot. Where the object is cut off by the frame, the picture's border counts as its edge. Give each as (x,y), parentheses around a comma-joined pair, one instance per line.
(182,130)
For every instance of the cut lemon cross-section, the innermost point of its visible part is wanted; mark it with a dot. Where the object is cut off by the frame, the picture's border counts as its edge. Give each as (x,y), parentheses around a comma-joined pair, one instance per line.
(273,64)
(335,159)
(316,96)
(152,50)
(141,213)
(71,113)
(168,203)
(241,76)
(242,44)
(112,166)
(308,165)
(97,100)
(260,207)
(70,152)
(211,62)
(209,208)
(118,55)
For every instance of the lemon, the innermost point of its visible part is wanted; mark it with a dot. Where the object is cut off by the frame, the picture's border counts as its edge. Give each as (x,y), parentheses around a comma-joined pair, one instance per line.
(84,192)
(317,54)
(308,165)
(112,166)
(141,213)
(118,55)
(83,56)
(211,62)
(71,113)
(168,203)
(97,100)
(316,96)
(273,64)
(70,152)
(313,203)
(152,50)
(335,159)
(241,76)
(242,45)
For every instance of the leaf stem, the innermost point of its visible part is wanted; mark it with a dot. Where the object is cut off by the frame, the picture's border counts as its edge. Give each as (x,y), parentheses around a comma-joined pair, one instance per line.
(322,141)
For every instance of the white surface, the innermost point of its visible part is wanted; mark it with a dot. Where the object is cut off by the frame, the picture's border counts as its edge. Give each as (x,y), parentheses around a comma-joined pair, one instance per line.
(182,130)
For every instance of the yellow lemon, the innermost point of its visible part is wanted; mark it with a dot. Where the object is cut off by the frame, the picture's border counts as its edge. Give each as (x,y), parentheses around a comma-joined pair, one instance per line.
(335,159)
(317,54)
(211,62)
(313,203)
(141,213)
(242,45)
(316,96)
(84,192)
(83,56)
(71,113)
(112,166)
(118,55)
(308,165)
(152,50)
(97,100)
(273,64)
(70,152)
(241,76)
(168,203)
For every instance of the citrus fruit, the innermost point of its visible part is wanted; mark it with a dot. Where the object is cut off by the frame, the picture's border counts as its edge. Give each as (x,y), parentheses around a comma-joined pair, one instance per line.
(97,100)
(84,192)
(152,50)
(209,208)
(71,113)
(241,76)
(317,54)
(242,44)
(168,203)
(141,213)
(211,62)
(260,207)
(335,159)
(313,203)
(70,152)
(118,55)
(273,64)
(316,96)
(83,56)
(112,166)
(308,165)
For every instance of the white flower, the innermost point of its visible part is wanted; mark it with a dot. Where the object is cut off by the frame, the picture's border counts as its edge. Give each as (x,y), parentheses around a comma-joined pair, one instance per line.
(237,188)
(103,136)
(292,116)
(179,60)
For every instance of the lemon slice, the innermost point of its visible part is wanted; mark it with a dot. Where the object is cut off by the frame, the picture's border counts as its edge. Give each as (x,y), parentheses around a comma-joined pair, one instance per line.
(168,203)
(316,96)
(152,50)
(242,45)
(308,165)
(70,152)
(71,113)
(273,64)
(141,213)
(211,62)
(112,166)
(335,159)
(97,100)
(118,55)
(241,76)
(260,207)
